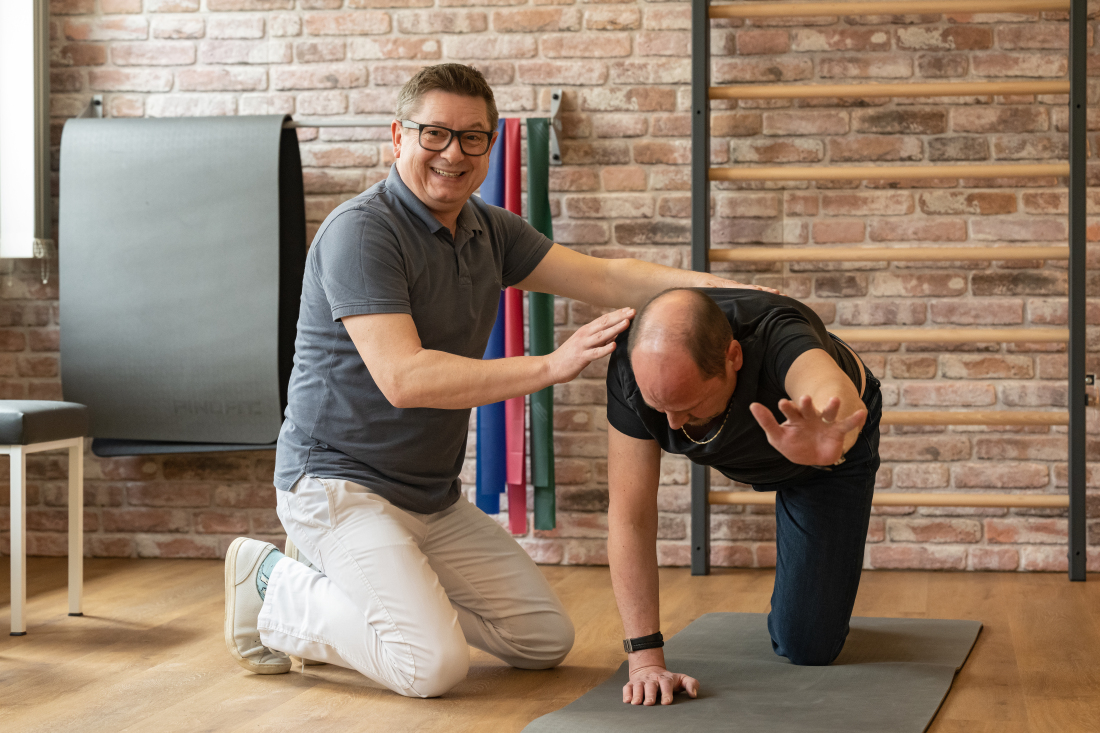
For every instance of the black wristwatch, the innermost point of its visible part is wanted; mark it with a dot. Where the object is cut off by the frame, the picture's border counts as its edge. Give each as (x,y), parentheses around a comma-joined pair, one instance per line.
(653,641)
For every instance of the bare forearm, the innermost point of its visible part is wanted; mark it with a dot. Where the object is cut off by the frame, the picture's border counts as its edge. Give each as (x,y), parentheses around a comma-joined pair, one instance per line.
(410,375)
(613,283)
(633,282)
(823,415)
(449,382)
(851,436)
(633,472)
(632,553)
(850,403)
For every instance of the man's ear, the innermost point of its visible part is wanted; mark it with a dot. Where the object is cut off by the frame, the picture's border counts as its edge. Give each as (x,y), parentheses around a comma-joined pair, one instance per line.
(397,132)
(734,355)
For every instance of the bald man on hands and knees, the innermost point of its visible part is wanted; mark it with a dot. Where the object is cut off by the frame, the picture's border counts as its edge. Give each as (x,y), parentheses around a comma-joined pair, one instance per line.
(753,385)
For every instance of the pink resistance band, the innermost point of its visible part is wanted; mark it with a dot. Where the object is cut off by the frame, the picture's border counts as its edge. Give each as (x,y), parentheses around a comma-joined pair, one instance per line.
(514,409)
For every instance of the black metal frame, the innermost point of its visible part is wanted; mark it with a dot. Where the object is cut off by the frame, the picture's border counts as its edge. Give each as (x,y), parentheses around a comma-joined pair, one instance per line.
(700,261)
(700,246)
(1078,152)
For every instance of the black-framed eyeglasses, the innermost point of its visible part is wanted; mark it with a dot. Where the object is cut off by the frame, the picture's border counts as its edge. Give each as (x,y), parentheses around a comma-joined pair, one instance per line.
(436,138)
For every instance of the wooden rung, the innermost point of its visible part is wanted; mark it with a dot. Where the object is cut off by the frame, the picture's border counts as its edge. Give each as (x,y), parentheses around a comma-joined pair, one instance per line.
(919,334)
(975,417)
(890,172)
(913,7)
(895,498)
(850,91)
(890,254)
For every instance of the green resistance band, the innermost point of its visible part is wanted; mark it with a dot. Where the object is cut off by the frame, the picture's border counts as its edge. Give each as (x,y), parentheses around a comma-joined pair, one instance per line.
(541,311)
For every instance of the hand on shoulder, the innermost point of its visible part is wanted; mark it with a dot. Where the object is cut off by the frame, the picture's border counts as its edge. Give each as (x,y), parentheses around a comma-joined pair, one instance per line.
(721,282)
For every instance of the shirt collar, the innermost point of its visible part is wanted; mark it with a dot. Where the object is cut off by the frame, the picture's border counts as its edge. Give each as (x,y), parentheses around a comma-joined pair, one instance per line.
(467,219)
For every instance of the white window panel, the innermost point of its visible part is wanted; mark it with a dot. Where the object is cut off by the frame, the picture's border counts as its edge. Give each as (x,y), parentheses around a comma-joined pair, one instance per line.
(24,128)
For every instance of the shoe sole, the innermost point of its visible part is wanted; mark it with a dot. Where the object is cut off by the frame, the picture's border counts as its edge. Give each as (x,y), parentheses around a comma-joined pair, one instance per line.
(230,603)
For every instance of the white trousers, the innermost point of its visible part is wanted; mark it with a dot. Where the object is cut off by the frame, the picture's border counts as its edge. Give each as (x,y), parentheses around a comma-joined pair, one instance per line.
(399,595)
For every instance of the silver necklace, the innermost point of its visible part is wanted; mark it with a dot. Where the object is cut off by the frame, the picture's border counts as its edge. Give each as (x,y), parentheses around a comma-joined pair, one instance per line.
(683,428)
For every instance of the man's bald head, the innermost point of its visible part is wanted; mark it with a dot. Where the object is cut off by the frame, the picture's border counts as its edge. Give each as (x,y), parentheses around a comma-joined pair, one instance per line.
(684,320)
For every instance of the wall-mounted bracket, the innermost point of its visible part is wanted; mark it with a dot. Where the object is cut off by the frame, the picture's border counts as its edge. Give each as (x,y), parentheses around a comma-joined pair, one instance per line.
(94,110)
(1091,398)
(555,126)
(42,250)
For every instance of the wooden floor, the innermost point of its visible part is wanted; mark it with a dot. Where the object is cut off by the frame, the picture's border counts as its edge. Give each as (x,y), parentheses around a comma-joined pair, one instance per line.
(149,655)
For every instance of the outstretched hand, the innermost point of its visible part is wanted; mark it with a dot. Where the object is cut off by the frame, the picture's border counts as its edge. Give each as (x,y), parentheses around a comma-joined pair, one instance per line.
(808,437)
(591,341)
(646,682)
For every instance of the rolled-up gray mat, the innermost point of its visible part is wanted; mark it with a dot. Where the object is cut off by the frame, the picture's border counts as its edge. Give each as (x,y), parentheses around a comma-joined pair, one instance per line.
(181,251)
(892,676)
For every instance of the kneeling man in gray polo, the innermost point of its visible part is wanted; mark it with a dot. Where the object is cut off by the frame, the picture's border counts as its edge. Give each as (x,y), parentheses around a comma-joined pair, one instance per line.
(399,573)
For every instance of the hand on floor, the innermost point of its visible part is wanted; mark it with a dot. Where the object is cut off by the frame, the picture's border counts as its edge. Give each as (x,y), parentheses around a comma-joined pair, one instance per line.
(652,684)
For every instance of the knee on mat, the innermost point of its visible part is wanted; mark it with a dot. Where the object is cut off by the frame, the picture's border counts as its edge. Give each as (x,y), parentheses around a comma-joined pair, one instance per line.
(812,657)
(809,650)
(548,643)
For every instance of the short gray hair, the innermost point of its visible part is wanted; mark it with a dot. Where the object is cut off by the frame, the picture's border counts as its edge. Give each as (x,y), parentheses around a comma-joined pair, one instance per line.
(452,78)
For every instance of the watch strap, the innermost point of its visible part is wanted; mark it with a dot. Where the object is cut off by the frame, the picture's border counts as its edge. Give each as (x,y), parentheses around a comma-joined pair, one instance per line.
(652,641)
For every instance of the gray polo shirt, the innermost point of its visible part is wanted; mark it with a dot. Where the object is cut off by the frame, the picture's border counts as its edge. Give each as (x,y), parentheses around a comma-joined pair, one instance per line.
(384,252)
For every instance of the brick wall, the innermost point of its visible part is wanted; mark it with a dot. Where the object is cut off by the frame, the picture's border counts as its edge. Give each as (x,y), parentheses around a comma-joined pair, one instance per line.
(624,191)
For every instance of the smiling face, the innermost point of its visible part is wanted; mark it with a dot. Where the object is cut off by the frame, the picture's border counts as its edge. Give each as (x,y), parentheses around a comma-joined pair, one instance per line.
(445,180)
(670,382)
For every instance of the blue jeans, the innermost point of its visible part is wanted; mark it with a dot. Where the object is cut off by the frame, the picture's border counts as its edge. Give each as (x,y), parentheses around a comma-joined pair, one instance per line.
(821,530)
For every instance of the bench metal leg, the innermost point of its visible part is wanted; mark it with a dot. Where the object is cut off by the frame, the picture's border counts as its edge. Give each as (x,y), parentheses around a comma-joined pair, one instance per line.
(76,528)
(18,540)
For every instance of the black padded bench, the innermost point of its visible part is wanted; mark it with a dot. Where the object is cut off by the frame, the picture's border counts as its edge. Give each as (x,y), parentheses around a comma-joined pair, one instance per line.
(31,426)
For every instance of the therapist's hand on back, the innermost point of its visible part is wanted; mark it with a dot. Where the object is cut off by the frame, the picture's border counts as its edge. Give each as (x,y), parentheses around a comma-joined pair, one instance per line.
(591,341)
(646,682)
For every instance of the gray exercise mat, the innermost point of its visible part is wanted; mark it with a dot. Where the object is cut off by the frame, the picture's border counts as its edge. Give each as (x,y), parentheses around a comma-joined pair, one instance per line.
(892,676)
(182,249)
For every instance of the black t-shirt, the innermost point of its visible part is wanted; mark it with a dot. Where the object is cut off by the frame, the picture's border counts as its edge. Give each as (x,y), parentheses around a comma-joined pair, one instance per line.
(773,331)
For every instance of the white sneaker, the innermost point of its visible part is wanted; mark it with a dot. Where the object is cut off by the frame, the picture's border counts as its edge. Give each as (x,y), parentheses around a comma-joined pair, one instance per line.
(242,608)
